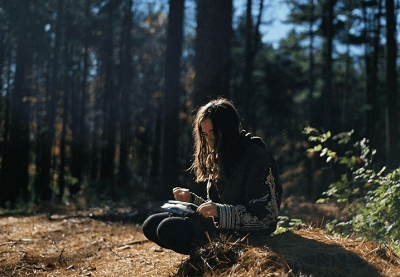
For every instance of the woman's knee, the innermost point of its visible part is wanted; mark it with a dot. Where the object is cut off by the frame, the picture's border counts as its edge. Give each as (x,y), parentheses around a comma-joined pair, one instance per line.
(150,225)
(173,231)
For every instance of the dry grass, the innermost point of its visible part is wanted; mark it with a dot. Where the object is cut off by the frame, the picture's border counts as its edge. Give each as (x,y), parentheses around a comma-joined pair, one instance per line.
(305,252)
(97,243)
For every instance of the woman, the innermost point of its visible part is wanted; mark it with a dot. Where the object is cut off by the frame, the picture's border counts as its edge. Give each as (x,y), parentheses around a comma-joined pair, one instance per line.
(243,190)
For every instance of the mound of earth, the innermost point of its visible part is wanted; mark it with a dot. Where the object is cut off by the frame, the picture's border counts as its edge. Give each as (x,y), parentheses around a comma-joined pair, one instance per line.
(306,252)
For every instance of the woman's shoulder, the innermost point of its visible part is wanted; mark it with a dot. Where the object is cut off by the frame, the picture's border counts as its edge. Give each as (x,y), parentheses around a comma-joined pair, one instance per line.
(256,151)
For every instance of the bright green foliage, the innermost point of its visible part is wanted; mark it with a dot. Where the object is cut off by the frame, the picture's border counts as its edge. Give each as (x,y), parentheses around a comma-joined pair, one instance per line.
(285,224)
(372,198)
(379,218)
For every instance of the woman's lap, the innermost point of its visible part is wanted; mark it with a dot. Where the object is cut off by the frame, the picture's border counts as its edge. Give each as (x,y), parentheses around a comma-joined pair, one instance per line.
(177,233)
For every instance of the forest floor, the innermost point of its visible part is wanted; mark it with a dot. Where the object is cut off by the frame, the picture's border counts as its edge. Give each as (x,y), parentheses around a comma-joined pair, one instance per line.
(108,242)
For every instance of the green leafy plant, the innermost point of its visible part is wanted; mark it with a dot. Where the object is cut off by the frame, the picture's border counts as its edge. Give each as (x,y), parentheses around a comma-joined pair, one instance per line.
(286,224)
(371,196)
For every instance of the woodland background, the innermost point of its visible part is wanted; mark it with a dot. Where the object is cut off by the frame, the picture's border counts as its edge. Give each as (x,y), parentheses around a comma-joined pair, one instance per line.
(97,96)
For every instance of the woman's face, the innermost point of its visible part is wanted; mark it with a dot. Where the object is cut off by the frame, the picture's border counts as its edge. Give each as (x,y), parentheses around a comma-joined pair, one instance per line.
(207,132)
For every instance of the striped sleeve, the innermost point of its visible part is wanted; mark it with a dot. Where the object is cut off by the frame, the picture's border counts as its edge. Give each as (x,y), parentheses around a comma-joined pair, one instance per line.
(259,214)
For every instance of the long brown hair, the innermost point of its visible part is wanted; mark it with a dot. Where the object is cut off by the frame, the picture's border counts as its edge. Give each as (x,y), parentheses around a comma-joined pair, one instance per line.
(226,128)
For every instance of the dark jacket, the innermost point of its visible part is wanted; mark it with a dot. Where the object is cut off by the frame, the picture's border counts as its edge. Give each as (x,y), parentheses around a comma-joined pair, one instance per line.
(250,199)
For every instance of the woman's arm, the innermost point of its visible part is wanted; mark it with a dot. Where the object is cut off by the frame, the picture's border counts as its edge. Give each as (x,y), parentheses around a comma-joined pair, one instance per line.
(260,212)
(197,200)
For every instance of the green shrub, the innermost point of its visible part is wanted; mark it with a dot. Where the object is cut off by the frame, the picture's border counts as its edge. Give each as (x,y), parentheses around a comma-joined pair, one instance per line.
(371,196)
(286,224)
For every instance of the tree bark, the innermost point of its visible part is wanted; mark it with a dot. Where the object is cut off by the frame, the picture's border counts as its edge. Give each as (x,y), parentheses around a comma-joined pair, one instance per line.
(126,75)
(213,50)
(392,125)
(14,177)
(109,104)
(80,140)
(327,96)
(170,167)
(247,96)
(43,178)
(372,60)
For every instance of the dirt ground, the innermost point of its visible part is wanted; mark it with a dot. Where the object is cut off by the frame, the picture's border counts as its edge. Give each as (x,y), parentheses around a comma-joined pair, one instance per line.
(97,242)
(80,244)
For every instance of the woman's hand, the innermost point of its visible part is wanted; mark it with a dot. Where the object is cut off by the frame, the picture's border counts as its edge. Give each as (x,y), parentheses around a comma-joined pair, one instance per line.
(208,209)
(182,194)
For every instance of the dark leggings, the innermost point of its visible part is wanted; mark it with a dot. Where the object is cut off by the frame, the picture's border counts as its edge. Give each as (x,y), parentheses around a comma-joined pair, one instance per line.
(175,232)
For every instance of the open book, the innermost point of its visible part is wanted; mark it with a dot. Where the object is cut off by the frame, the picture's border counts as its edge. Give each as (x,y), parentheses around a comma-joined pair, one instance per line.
(179,207)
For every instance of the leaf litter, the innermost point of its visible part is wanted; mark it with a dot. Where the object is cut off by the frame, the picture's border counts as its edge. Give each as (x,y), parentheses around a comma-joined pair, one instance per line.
(100,243)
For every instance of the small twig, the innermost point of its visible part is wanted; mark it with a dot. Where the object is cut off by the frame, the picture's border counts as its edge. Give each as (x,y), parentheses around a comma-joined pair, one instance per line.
(242,239)
(7,243)
(136,242)
(208,237)
(193,266)
(205,262)
(89,268)
(60,258)
(116,254)
(14,242)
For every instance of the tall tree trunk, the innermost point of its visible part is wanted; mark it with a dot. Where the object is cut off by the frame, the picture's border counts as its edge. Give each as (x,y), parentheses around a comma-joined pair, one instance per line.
(42,182)
(80,140)
(310,163)
(170,158)
(251,48)
(3,53)
(155,170)
(95,149)
(76,102)
(126,76)
(213,50)
(257,35)
(84,152)
(63,145)
(109,105)
(247,97)
(7,100)
(311,77)
(14,177)
(347,85)
(392,125)
(6,115)
(68,97)
(327,96)
(372,118)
